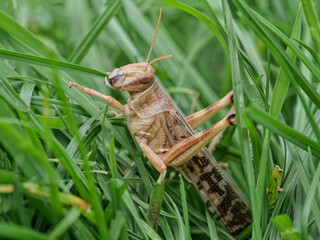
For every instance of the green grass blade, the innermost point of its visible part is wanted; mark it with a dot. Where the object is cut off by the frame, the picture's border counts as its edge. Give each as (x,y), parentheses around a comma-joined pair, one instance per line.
(65,223)
(184,209)
(310,13)
(202,17)
(118,225)
(290,43)
(291,70)
(72,168)
(95,30)
(282,81)
(14,231)
(283,130)
(310,50)
(155,205)
(10,26)
(285,226)
(130,206)
(26,93)
(112,158)
(239,107)
(307,208)
(211,226)
(47,62)
(278,98)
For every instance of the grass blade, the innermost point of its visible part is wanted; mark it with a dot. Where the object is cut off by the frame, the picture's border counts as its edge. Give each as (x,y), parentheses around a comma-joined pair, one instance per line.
(202,17)
(47,62)
(283,130)
(185,209)
(313,22)
(280,55)
(17,232)
(307,209)
(285,226)
(239,103)
(84,46)
(65,223)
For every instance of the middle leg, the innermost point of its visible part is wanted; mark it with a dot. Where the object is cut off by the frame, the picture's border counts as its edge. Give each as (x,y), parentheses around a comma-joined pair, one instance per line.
(197,119)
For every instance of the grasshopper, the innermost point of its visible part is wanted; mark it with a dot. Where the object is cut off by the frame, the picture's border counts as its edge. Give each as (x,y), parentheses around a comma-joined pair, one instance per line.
(168,139)
(273,185)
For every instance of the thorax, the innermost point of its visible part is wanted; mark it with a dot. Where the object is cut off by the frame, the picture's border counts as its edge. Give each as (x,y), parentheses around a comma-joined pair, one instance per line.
(148,113)
(151,130)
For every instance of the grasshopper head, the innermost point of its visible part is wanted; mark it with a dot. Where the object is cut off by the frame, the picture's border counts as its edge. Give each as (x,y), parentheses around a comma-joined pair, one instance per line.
(135,77)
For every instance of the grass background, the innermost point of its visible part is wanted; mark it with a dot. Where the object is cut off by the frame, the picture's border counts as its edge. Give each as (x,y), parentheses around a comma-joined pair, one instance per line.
(61,149)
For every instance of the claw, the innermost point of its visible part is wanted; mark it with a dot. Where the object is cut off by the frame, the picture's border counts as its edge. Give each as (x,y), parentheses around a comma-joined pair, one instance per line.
(116,114)
(73,84)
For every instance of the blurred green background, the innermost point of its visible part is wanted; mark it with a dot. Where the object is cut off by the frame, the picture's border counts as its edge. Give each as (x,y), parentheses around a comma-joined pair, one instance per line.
(60,149)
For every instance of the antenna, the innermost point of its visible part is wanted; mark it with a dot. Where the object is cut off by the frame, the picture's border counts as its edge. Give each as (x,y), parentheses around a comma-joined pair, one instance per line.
(154,36)
(160,58)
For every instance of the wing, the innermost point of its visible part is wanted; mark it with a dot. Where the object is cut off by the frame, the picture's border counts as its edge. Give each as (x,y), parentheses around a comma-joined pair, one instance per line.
(216,189)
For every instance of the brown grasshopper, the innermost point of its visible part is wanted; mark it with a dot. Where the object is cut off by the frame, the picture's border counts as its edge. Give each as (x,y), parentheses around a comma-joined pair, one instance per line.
(168,139)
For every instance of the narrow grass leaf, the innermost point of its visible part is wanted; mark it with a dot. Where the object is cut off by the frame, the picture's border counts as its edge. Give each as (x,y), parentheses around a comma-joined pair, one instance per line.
(290,43)
(7,176)
(26,93)
(95,199)
(255,141)
(28,79)
(165,226)
(291,70)
(310,50)
(156,203)
(184,209)
(47,62)
(278,97)
(216,29)
(112,158)
(126,198)
(37,101)
(310,13)
(149,231)
(65,223)
(283,130)
(307,208)
(179,219)
(79,52)
(285,226)
(118,225)
(9,25)
(282,81)
(239,107)
(14,231)
(211,226)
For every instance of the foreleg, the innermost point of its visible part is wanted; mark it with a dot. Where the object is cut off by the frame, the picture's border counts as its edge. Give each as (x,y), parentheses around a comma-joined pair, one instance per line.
(110,100)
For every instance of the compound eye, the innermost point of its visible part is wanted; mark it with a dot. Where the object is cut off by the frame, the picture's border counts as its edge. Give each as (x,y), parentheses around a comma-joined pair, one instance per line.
(106,82)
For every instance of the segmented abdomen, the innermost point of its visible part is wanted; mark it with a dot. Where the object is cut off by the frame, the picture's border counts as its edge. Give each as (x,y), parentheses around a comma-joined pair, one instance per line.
(216,189)
(220,195)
